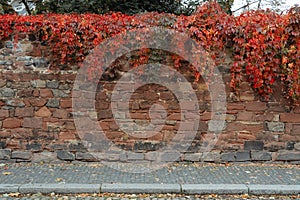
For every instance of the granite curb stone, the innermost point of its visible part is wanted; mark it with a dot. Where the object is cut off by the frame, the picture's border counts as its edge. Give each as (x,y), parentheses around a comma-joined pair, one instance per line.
(141,188)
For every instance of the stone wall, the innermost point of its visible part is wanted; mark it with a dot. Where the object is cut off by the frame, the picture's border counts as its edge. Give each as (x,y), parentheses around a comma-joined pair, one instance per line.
(37,119)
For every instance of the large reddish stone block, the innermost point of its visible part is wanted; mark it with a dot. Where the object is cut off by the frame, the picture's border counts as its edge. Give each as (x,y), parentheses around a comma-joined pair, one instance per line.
(12,123)
(33,122)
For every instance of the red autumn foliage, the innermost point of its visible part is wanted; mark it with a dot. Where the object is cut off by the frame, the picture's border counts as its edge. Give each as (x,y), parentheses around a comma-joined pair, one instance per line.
(266,46)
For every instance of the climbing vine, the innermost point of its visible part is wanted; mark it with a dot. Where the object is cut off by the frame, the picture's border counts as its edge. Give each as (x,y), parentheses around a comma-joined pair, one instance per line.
(265,45)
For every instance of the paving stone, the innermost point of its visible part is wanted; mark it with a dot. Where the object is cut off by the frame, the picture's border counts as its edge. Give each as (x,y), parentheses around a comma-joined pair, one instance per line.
(24,155)
(253,145)
(242,156)
(214,189)
(9,188)
(65,155)
(275,126)
(274,189)
(288,156)
(140,188)
(261,156)
(5,154)
(228,157)
(59,188)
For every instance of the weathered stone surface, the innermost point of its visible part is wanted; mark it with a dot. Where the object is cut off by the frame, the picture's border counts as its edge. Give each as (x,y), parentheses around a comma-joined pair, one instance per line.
(169,156)
(34,147)
(59,93)
(45,157)
(288,156)
(65,155)
(290,145)
(254,145)
(53,103)
(135,156)
(275,126)
(152,156)
(149,146)
(12,123)
(52,84)
(40,63)
(61,114)
(33,122)
(4,113)
(15,103)
(43,112)
(297,146)
(242,156)
(38,84)
(193,157)
(24,112)
(261,156)
(85,157)
(228,157)
(78,147)
(24,155)
(58,147)
(2,144)
(213,156)
(7,92)
(5,154)
(2,83)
